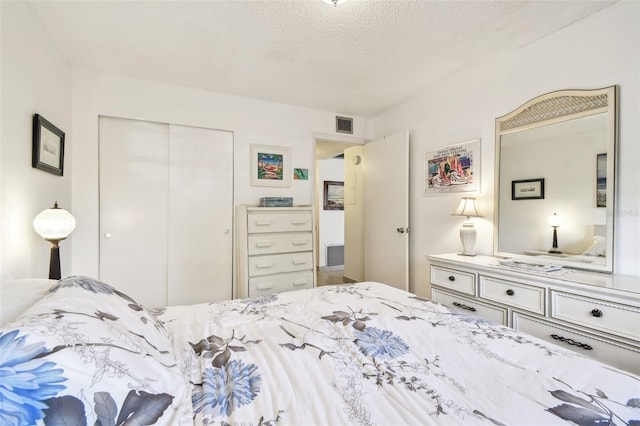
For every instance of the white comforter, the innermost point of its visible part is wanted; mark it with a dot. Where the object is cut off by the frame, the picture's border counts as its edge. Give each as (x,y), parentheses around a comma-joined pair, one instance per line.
(371,354)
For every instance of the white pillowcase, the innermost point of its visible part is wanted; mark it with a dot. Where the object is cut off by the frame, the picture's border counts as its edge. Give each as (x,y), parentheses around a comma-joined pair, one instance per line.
(18,295)
(598,247)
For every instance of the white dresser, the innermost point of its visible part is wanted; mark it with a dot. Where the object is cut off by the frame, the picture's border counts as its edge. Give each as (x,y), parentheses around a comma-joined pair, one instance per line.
(275,250)
(592,313)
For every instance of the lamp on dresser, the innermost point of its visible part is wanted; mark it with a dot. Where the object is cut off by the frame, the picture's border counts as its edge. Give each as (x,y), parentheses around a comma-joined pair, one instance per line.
(554,221)
(468,208)
(54,225)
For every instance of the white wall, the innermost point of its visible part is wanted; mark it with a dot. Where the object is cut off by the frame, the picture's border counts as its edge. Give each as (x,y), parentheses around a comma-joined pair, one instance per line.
(252,121)
(599,51)
(36,78)
(330,222)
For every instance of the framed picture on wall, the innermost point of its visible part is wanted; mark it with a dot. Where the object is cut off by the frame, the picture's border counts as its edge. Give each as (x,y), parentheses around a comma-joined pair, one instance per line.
(270,166)
(48,146)
(453,169)
(601,180)
(527,189)
(333,195)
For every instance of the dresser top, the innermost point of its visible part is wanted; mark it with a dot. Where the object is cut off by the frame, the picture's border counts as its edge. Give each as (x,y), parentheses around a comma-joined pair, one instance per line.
(623,283)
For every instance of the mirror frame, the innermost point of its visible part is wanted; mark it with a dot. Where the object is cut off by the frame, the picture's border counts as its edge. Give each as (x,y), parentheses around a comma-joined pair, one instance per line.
(555,107)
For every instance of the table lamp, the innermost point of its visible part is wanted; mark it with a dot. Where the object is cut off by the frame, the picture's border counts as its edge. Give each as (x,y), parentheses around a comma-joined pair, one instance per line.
(468,208)
(54,225)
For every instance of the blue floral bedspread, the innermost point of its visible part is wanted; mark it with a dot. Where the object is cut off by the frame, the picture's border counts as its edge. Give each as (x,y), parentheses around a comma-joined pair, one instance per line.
(361,354)
(368,353)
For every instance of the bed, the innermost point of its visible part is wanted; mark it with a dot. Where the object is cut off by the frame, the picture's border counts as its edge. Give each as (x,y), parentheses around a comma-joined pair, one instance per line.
(359,354)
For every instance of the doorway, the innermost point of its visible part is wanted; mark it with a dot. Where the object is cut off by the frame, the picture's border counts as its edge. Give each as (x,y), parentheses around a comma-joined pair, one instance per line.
(330,221)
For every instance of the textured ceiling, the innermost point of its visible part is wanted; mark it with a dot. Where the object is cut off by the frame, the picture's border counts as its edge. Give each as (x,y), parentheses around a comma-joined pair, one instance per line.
(358,58)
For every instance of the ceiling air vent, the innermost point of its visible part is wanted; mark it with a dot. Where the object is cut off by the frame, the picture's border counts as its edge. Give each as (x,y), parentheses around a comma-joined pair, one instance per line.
(344,125)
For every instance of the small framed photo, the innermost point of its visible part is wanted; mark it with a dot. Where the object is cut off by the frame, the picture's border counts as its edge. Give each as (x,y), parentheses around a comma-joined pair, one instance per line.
(48,146)
(333,195)
(527,189)
(270,166)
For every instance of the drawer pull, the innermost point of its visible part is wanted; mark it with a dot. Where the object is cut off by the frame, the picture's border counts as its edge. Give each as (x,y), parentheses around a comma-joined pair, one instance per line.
(265,286)
(572,342)
(299,261)
(299,283)
(461,306)
(452,278)
(263,244)
(298,222)
(596,313)
(510,292)
(263,222)
(299,242)
(263,265)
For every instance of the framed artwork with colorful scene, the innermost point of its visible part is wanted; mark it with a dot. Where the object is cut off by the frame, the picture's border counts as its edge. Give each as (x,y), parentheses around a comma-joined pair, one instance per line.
(452,169)
(270,166)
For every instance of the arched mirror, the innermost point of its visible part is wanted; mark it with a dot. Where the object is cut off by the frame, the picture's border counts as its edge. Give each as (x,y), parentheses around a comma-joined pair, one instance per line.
(555,177)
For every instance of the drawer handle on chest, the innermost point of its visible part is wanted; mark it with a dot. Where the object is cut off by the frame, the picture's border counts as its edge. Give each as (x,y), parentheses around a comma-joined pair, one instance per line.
(299,242)
(299,282)
(264,286)
(452,278)
(263,244)
(461,306)
(596,313)
(510,292)
(298,222)
(263,222)
(299,261)
(572,342)
(263,265)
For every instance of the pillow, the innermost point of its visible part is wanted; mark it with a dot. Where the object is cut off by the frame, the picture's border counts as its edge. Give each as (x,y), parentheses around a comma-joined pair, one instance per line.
(17,295)
(87,353)
(598,247)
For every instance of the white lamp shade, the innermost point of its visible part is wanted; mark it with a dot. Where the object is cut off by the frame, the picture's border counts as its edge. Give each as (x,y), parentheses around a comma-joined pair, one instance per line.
(54,223)
(554,220)
(467,207)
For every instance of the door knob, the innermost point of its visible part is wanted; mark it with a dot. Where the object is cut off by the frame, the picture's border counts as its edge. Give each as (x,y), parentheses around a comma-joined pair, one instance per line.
(402,230)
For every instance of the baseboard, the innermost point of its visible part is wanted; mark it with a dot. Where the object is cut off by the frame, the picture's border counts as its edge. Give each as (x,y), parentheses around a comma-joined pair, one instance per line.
(330,268)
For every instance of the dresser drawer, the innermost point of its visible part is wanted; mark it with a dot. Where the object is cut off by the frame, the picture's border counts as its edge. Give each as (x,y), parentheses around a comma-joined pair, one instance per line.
(278,222)
(463,282)
(614,318)
(605,350)
(277,263)
(520,295)
(279,243)
(280,282)
(470,306)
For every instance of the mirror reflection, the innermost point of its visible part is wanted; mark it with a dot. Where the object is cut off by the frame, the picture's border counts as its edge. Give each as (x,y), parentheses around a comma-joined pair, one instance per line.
(555,181)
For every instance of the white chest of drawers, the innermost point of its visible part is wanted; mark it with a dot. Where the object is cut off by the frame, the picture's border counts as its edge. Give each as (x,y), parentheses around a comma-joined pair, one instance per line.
(275,250)
(595,314)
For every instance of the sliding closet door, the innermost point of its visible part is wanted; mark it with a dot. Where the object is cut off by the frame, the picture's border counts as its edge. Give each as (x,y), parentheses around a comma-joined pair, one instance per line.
(200,251)
(134,191)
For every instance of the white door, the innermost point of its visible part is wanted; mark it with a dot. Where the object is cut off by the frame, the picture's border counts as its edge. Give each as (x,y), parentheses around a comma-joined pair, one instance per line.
(165,211)
(200,251)
(386,210)
(134,193)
